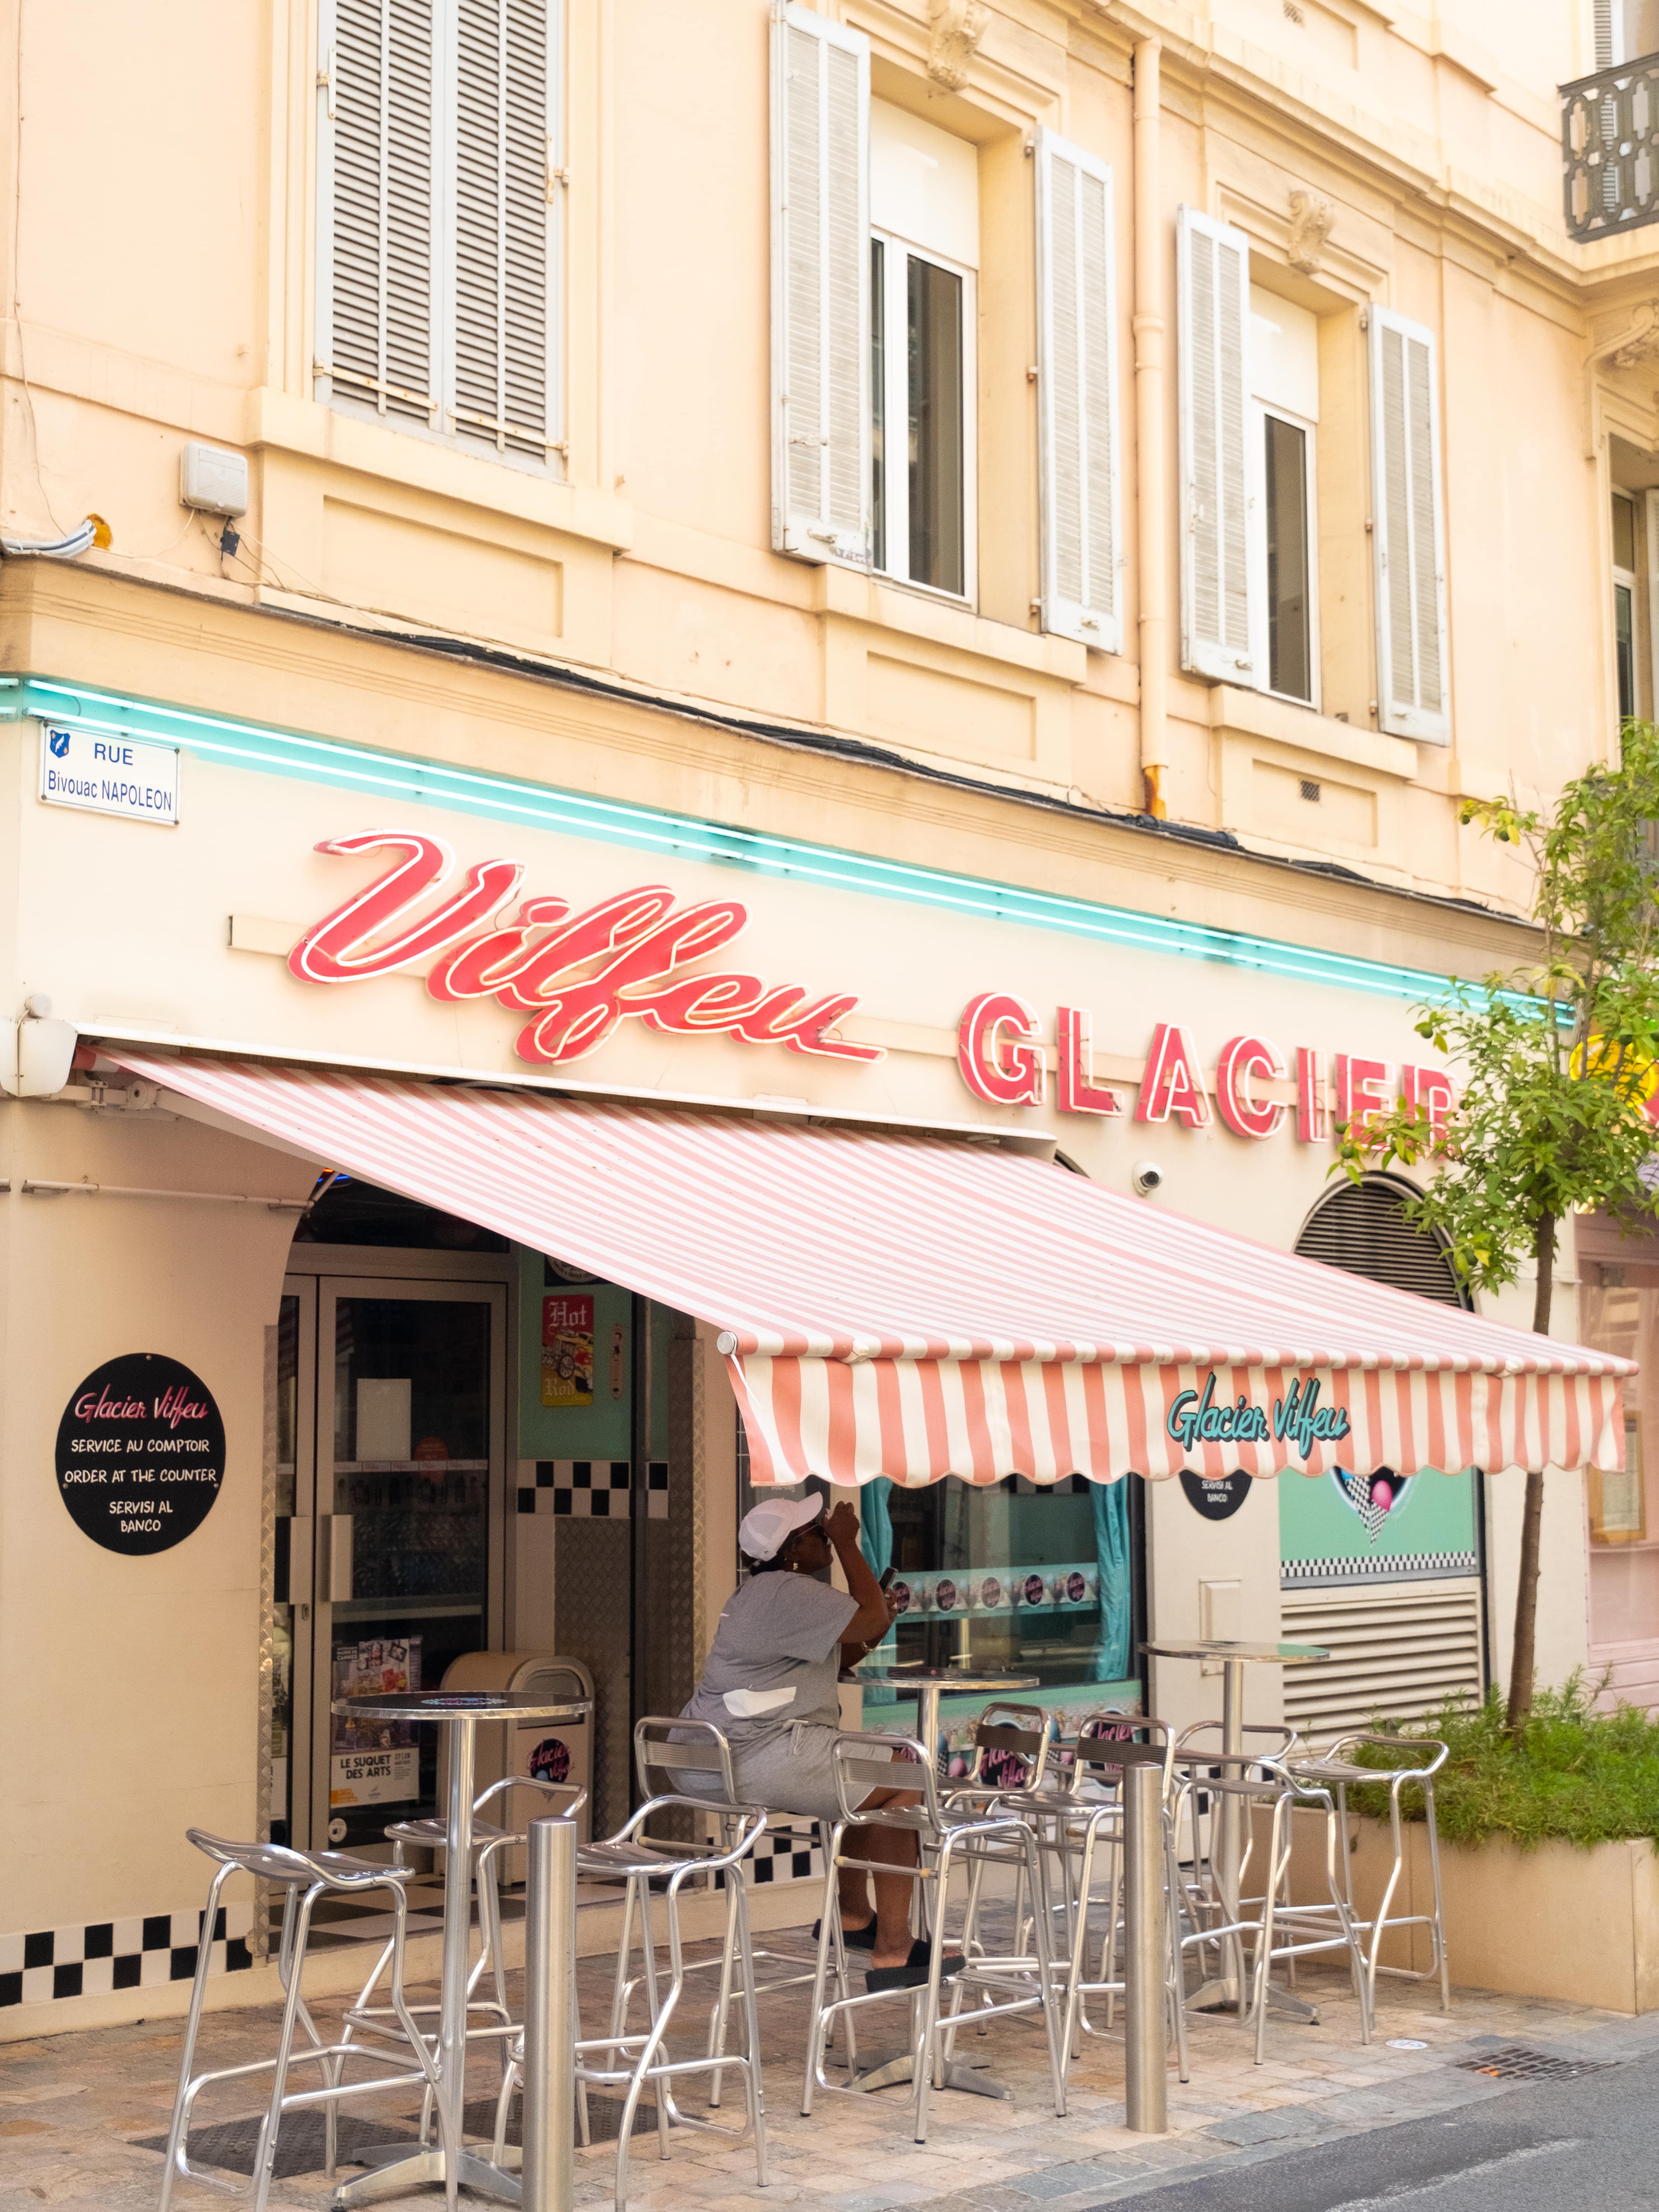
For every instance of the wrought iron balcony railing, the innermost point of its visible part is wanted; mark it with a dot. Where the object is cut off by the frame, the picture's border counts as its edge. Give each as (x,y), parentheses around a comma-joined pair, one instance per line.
(1610,149)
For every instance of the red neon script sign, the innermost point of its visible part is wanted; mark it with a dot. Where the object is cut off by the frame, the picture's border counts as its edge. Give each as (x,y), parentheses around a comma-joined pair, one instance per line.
(578,975)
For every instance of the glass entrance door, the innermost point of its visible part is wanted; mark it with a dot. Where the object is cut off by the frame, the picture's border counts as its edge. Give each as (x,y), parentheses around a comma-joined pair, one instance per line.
(393,1569)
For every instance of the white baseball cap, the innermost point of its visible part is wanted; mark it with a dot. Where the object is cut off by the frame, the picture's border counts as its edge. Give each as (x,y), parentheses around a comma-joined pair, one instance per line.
(768,1526)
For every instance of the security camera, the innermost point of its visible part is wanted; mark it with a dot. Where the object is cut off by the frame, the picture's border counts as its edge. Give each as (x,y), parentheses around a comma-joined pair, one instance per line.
(1146,1177)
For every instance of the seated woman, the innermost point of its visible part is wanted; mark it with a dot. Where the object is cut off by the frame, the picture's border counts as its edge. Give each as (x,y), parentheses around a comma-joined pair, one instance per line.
(770,1686)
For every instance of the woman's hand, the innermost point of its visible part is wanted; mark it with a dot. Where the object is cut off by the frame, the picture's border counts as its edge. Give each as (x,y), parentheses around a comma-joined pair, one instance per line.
(841,1527)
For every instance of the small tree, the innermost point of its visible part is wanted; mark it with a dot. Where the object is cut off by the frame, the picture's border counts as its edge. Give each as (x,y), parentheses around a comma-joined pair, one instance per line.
(1556,1060)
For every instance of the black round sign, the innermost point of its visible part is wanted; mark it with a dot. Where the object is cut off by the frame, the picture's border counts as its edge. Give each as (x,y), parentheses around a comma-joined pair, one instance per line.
(1216,1496)
(141,1454)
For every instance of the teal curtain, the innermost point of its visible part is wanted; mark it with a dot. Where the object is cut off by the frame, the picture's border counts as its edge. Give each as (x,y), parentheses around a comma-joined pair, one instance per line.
(1113,1658)
(876,1524)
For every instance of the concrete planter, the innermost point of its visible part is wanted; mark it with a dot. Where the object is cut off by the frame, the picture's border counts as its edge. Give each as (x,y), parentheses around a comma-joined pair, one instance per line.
(1555,1922)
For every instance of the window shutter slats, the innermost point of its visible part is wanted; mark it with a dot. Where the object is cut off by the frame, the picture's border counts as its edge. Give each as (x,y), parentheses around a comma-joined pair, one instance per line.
(1408,532)
(375,318)
(820,287)
(1077,396)
(437,230)
(1218,589)
(501,240)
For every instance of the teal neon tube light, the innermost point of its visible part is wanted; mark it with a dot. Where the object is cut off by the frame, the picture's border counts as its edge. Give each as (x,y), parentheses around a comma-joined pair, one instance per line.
(505,799)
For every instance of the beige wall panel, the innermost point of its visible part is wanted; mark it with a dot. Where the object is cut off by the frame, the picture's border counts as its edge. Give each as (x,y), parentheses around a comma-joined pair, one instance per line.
(911,693)
(697,638)
(1106,750)
(391,550)
(1526,161)
(687,352)
(1474,464)
(376,559)
(1319,810)
(917,705)
(93,1824)
(1546,540)
(1317,42)
(1184,1552)
(163,113)
(1347,627)
(1009,560)
(1562,1636)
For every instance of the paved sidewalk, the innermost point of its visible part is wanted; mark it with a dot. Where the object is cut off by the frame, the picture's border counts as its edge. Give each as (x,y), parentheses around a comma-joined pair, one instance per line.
(74,2109)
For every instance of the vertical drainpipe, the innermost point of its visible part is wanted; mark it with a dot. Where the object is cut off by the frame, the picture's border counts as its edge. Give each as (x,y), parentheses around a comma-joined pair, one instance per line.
(1150,476)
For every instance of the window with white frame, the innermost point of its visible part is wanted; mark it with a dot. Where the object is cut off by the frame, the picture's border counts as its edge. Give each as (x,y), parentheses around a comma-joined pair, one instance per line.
(875,255)
(1284,417)
(438,230)
(924,254)
(1249,597)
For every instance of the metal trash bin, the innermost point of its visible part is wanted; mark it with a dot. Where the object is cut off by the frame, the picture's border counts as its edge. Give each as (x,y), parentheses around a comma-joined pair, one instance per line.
(563,1753)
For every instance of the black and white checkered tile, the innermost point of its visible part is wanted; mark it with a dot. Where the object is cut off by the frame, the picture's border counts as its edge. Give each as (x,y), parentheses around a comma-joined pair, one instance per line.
(1400,1568)
(588,1489)
(136,1953)
(789,1854)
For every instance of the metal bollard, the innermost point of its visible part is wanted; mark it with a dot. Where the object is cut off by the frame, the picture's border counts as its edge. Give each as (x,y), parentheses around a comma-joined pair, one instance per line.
(1146,1947)
(549,2173)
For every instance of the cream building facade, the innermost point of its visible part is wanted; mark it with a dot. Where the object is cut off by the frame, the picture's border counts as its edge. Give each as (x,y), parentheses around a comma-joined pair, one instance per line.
(1046,508)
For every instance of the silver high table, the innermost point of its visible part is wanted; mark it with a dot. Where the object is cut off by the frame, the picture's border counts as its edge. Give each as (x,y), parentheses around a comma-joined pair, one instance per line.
(927,1685)
(1227,1988)
(396,2168)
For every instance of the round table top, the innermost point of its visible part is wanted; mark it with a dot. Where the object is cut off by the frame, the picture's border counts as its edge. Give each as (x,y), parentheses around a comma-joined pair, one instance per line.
(958,1678)
(461,1705)
(1199,1647)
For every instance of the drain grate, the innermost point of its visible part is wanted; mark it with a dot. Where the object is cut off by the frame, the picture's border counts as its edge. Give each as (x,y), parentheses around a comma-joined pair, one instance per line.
(229,2146)
(1514,2061)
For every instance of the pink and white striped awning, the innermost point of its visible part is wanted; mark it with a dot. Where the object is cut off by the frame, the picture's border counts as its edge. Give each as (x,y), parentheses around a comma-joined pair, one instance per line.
(916,1307)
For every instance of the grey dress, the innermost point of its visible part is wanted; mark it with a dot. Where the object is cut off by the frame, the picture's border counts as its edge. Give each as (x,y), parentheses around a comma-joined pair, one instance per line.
(770,1688)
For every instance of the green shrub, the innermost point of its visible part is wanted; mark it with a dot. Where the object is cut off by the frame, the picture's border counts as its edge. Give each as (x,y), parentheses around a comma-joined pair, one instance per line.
(1572,1774)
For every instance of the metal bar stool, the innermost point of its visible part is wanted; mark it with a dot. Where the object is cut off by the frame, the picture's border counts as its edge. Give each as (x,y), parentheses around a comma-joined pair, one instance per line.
(636,2058)
(1334,1770)
(1327,1927)
(1005,1737)
(1011,1754)
(867,1762)
(305,1876)
(489,1841)
(1221,1853)
(1079,1824)
(690,1766)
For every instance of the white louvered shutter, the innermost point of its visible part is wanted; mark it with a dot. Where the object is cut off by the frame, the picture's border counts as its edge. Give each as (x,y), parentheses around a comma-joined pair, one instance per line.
(1218,583)
(503,388)
(377,320)
(1408,532)
(1077,395)
(820,287)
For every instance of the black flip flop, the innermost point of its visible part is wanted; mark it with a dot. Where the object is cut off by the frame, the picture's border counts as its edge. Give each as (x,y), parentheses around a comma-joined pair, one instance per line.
(913,1974)
(856,1939)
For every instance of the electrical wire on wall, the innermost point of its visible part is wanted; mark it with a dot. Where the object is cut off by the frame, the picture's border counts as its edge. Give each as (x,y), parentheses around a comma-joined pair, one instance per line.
(95,530)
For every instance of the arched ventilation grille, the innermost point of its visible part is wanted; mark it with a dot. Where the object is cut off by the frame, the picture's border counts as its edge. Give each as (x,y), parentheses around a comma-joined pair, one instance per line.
(1362,1226)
